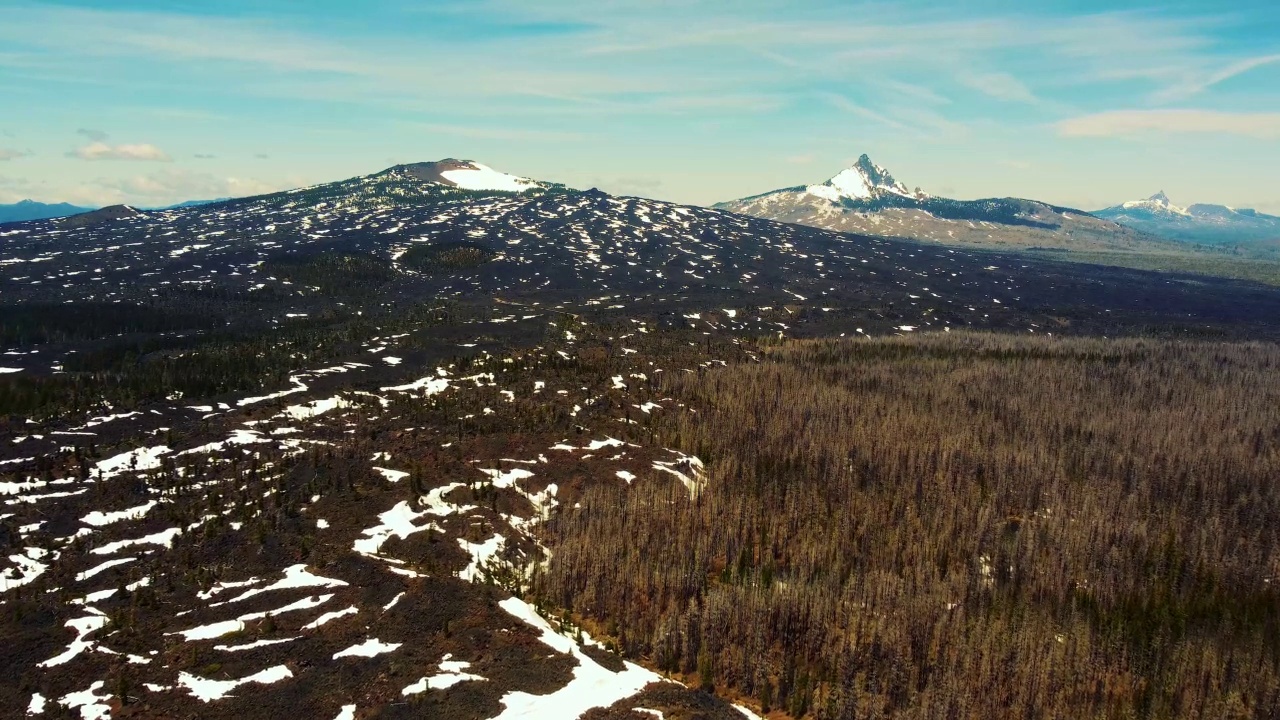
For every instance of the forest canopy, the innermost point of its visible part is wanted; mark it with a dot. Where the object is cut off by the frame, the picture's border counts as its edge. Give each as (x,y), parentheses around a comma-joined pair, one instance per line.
(957,526)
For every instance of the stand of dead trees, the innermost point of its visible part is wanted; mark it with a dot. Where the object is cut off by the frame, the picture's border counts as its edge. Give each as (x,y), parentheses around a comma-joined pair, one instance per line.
(958,526)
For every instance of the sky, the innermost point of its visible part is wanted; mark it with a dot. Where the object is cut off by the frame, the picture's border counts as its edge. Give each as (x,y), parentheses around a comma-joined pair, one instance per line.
(1082,103)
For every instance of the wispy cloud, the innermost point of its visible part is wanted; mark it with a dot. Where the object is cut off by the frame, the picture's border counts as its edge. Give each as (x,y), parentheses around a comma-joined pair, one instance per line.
(94,135)
(1198,83)
(841,102)
(1265,125)
(490,133)
(912,92)
(11,154)
(103,151)
(999,85)
(779,76)
(683,48)
(917,120)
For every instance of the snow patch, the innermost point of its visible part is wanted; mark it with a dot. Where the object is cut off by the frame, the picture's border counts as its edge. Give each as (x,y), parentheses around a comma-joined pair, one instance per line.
(207,690)
(592,685)
(451,673)
(97,518)
(369,648)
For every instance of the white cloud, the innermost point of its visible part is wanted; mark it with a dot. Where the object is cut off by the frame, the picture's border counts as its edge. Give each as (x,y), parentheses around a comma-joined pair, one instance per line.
(1139,122)
(102,151)
(10,154)
(166,187)
(180,185)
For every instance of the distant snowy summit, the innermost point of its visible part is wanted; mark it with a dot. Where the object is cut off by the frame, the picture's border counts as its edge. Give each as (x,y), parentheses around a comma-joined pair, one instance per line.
(1158,203)
(1200,222)
(467,175)
(865,180)
(866,198)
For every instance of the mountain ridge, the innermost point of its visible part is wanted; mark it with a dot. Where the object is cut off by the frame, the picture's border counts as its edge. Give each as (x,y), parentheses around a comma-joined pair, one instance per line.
(1199,222)
(24,210)
(866,198)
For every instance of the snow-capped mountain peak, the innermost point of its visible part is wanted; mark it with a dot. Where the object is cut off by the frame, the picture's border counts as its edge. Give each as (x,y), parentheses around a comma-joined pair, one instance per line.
(1157,202)
(1200,223)
(863,181)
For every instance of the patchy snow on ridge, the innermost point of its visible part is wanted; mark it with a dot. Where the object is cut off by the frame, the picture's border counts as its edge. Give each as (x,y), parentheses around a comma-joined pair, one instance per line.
(315,407)
(295,576)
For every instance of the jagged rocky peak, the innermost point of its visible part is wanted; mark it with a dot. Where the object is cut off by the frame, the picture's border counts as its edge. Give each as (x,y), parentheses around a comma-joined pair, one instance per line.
(864,180)
(465,174)
(1158,202)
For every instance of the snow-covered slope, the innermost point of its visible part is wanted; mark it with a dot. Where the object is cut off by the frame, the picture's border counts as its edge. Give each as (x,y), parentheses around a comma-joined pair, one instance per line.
(483,177)
(466,175)
(866,198)
(1200,223)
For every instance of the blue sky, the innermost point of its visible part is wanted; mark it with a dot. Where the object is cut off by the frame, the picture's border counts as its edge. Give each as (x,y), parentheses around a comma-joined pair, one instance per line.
(1082,103)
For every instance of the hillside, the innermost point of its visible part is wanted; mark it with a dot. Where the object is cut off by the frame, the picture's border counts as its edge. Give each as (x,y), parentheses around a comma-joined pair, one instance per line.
(422,444)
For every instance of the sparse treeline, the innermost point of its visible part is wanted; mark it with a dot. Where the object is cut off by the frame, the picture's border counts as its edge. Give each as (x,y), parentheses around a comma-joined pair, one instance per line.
(957,526)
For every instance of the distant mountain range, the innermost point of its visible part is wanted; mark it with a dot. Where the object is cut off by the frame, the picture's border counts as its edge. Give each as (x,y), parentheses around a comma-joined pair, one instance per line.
(867,199)
(32,210)
(1200,223)
(24,210)
(457,229)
